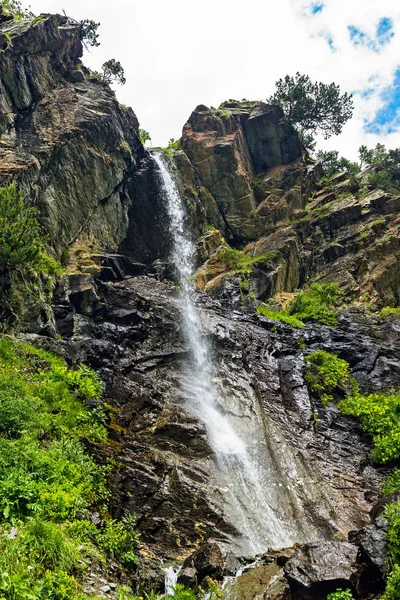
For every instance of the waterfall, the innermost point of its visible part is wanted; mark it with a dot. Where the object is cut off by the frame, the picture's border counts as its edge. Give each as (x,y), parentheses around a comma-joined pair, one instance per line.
(254,500)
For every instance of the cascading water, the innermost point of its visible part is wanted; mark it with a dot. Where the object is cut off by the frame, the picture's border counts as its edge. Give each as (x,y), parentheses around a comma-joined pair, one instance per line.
(254,500)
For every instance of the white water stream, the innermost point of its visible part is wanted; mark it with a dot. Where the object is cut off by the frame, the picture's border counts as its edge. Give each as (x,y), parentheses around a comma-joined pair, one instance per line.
(253,498)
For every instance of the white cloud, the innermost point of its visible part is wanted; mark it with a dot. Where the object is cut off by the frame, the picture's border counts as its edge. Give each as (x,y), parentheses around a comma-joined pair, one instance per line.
(179,54)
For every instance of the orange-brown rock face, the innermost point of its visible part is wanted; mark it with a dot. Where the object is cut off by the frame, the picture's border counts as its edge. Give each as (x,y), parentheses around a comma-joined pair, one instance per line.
(229,149)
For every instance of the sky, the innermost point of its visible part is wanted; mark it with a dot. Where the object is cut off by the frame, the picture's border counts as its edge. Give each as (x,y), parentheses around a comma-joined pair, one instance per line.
(178,54)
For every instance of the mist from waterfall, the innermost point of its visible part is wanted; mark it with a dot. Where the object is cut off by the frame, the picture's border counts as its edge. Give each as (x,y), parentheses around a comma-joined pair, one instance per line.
(253,498)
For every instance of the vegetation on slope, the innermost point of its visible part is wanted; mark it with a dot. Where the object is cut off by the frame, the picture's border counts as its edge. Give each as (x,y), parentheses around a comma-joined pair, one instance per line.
(49,486)
(318,303)
(328,377)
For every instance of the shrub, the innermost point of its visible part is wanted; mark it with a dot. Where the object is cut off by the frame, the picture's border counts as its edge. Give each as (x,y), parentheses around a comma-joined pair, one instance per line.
(48,484)
(389,310)
(318,303)
(113,71)
(280,315)
(59,586)
(15,8)
(327,374)
(392,591)
(378,413)
(144,136)
(340,595)
(241,262)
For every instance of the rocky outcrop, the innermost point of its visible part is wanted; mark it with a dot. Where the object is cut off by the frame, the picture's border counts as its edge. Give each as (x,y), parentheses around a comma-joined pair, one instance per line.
(228,149)
(70,146)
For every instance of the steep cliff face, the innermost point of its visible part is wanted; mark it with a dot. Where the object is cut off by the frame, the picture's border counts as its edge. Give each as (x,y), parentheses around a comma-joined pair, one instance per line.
(228,148)
(267,194)
(67,142)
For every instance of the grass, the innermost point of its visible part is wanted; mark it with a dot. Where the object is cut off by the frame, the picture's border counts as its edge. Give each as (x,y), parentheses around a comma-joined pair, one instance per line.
(280,315)
(387,311)
(241,262)
(49,485)
(318,303)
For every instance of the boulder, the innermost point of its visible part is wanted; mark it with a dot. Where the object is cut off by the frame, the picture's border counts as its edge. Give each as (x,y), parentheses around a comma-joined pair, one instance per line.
(208,561)
(267,582)
(318,569)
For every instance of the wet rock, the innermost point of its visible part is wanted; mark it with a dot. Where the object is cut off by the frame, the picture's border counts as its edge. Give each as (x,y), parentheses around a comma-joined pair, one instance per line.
(267,582)
(316,570)
(188,577)
(208,561)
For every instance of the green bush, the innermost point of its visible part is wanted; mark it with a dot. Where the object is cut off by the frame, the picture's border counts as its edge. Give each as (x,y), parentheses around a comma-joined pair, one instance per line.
(279,315)
(49,485)
(241,262)
(318,303)
(59,586)
(389,310)
(392,591)
(340,595)
(327,374)
(379,414)
(15,8)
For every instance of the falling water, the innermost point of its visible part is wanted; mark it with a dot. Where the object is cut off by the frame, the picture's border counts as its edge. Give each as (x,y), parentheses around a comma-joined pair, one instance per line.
(254,501)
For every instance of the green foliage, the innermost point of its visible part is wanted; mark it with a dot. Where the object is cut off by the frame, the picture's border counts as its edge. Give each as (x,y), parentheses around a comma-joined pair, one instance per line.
(279,315)
(327,374)
(380,416)
(241,262)
(331,163)
(22,255)
(49,486)
(384,167)
(113,71)
(174,144)
(14,8)
(144,136)
(389,310)
(340,595)
(313,107)
(392,591)
(392,483)
(88,32)
(318,303)
(125,150)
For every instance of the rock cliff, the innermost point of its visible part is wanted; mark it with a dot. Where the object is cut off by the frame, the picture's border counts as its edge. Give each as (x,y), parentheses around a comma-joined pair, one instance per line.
(247,182)
(67,142)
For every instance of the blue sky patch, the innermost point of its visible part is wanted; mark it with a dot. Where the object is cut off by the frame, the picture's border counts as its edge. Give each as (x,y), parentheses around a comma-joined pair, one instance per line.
(316,8)
(329,40)
(387,118)
(384,33)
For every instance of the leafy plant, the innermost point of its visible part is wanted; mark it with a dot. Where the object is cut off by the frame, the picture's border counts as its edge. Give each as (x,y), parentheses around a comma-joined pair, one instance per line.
(340,595)
(49,485)
(392,591)
(379,415)
(318,303)
(389,310)
(88,32)
(15,8)
(242,262)
(279,315)
(327,374)
(144,136)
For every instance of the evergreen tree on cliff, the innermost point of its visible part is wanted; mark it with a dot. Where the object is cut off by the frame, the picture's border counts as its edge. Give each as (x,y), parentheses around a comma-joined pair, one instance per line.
(312,107)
